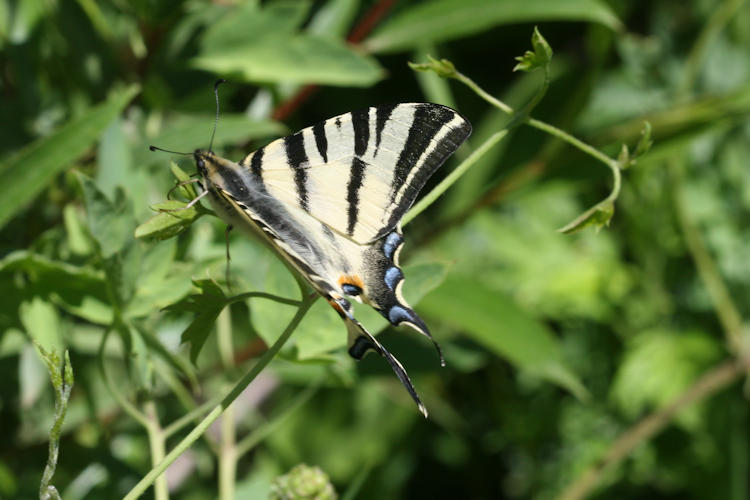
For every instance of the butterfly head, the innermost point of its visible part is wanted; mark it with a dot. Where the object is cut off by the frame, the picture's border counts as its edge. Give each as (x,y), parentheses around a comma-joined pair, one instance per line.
(203,160)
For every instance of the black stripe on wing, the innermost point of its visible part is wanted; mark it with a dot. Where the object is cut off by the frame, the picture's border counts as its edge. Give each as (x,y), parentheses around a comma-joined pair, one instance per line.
(297,157)
(382,114)
(442,150)
(321,141)
(356,176)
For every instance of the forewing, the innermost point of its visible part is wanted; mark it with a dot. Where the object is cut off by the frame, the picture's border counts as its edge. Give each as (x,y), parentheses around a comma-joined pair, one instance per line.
(360,172)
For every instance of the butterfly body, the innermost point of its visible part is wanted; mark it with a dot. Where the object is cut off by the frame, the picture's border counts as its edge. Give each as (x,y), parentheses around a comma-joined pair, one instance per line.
(329,200)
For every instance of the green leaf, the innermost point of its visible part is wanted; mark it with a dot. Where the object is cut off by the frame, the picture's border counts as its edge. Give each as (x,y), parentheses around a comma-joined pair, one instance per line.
(187,188)
(297,59)
(673,361)
(188,132)
(443,20)
(173,218)
(42,323)
(539,58)
(161,282)
(79,291)
(110,223)
(28,172)
(598,216)
(495,322)
(206,305)
(263,45)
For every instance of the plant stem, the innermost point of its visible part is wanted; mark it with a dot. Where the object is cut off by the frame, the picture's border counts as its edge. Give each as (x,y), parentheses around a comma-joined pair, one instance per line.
(550,129)
(227,455)
(718,20)
(262,431)
(121,400)
(62,382)
(726,310)
(262,295)
(227,448)
(710,383)
(156,441)
(199,429)
(483,94)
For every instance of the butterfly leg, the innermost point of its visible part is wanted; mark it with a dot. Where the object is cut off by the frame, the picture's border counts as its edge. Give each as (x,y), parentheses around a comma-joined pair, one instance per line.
(229,258)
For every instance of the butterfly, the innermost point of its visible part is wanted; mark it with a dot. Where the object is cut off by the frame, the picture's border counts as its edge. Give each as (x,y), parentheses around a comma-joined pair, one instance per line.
(329,200)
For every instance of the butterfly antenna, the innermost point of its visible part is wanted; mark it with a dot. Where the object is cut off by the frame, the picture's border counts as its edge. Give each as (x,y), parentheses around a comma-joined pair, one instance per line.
(216,120)
(156,148)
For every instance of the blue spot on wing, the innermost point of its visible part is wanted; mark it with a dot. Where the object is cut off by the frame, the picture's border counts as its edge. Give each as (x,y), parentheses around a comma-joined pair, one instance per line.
(392,277)
(392,242)
(397,314)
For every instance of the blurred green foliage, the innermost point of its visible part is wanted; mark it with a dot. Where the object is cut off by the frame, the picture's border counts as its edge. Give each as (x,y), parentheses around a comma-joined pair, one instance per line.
(556,344)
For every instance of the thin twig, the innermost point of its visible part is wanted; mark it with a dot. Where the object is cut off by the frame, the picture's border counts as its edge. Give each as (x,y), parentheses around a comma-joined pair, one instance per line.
(711,382)
(451,178)
(199,429)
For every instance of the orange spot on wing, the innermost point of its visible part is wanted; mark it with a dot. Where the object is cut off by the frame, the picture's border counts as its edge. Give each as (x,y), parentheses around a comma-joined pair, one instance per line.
(351,279)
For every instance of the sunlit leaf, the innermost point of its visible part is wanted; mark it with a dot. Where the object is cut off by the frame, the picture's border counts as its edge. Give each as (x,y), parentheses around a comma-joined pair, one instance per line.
(442,20)
(29,171)
(495,322)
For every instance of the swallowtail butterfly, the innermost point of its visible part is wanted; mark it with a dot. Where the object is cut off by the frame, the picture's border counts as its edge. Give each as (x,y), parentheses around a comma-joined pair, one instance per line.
(329,200)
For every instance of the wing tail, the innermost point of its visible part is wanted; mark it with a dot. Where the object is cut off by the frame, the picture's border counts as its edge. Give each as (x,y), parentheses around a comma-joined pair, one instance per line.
(361,341)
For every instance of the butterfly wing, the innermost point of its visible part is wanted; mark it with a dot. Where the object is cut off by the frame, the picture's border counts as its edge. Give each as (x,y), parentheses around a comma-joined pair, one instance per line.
(359,172)
(329,200)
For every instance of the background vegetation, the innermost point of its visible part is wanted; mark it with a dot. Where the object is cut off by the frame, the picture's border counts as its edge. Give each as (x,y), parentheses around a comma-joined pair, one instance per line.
(606,363)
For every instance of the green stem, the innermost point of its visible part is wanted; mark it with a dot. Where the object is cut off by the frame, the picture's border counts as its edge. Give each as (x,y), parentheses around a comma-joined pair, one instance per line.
(727,312)
(227,455)
(550,129)
(157,442)
(264,430)
(191,416)
(227,447)
(573,141)
(199,429)
(262,295)
(62,382)
(483,94)
(451,178)
(719,18)
(121,400)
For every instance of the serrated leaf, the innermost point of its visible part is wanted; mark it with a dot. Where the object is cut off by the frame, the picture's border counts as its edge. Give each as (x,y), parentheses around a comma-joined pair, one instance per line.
(206,305)
(598,216)
(109,222)
(29,171)
(495,322)
(441,20)
(80,291)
